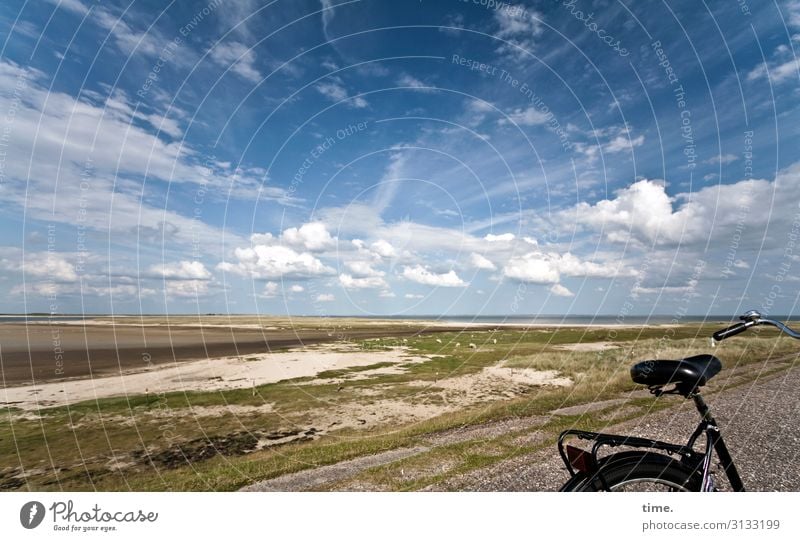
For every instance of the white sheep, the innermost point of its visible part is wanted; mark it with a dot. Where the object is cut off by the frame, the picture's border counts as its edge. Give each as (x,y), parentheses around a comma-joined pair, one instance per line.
(472,346)
(458,344)
(438,340)
(494,340)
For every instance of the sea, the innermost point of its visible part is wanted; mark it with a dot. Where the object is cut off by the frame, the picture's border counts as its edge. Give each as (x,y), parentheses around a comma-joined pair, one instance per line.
(517,319)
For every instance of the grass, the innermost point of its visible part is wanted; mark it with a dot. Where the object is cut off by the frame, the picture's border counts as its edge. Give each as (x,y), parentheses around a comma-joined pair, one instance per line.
(103,445)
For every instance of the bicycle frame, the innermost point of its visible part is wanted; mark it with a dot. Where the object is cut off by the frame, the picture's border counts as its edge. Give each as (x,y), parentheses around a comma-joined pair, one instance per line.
(696,460)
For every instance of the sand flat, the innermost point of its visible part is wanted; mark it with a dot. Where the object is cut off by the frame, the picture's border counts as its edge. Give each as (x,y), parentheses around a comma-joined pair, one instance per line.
(215,374)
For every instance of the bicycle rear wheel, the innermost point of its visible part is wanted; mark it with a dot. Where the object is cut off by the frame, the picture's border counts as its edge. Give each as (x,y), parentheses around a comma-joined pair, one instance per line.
(637,471)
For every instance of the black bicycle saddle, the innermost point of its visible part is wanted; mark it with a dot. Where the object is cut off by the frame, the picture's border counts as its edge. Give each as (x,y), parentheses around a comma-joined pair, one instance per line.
(687,374)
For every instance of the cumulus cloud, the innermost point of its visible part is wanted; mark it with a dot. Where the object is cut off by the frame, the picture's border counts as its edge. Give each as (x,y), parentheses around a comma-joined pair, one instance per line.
(383,248)
(270,290)
(561,291)
(181,270)
(645,212)
(312,236)
(479,262)
(325,297)
(622,143)
(362,269)
(532,268)
(54,266)
(265,261)
(547,268)
(421,275)
(370,282)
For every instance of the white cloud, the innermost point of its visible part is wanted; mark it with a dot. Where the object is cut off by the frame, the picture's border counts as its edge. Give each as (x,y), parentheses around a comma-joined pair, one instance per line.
(561,291)
(570,265)
(642,210)
(528,117)
(325,297)
(623,143)
(335,91)
(387,294)
(363,268)
(413,296)
(534,268)
(72,5)
(128,40)
(480,262)
(505,237)
(519,25)
(265,261)
(645,212)
(61,140)
(239,57)
(370,282)
(383,248)
(406,80)
(54,266)
(313,236)
(724,159)
(421,275)
(793,9)
(187,288)
(270,290)
(546,268)
(182,270)
(779,71)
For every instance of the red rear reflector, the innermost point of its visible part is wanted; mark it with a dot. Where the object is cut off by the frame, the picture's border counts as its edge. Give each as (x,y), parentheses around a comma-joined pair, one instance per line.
(580,459)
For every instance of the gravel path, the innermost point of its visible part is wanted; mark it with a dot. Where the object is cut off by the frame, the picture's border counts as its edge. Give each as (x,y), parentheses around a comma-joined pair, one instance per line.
(759,421)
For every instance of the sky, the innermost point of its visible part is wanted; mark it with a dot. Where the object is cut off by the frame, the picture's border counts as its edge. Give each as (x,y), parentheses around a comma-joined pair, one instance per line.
(366,157)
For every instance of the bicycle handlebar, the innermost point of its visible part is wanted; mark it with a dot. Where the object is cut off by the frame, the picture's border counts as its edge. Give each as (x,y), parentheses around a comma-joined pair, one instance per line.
(730,331)
(751,319)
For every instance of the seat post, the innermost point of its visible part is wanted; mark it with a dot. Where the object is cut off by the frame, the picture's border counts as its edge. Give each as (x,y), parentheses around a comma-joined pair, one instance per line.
(703,408)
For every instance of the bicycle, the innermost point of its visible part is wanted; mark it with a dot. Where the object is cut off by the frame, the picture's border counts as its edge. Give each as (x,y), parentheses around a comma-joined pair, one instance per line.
(657,465)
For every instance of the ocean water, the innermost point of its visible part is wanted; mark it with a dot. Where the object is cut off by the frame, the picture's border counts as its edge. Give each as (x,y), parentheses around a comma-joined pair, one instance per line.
(554,319)
(550,319)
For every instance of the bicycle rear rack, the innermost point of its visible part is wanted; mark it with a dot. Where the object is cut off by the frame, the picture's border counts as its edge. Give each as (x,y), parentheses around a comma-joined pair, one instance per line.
(612,440)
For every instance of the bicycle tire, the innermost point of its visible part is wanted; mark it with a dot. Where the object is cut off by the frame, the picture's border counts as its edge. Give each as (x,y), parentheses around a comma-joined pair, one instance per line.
(623,471)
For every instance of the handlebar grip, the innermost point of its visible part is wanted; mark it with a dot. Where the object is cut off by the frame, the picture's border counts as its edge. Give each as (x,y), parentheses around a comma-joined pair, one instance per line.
(730,331)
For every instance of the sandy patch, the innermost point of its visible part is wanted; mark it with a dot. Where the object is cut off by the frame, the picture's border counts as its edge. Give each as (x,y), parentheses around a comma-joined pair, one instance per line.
(204,375)
(441,397)
(500,380)
(587,346)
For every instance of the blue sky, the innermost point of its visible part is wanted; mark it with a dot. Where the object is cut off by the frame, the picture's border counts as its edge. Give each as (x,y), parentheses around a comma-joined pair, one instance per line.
(371,158)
